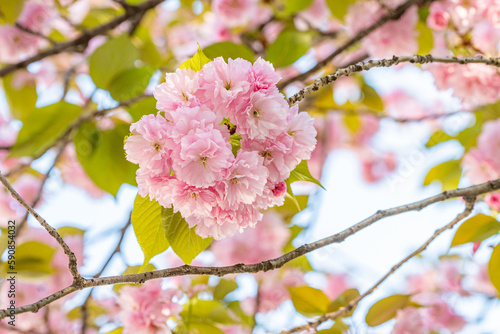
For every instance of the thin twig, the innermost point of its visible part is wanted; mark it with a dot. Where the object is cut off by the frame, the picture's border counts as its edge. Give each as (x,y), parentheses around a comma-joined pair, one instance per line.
(272,264)
(343,311)
(73,266)
(34,33)
(83,39)
(391,16)
(365,66)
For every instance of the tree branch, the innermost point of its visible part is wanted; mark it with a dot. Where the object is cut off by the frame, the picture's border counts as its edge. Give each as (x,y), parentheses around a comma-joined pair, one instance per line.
(343,311)
(365,66)
(84,38)
(73,267)
(272,264)
(391,16)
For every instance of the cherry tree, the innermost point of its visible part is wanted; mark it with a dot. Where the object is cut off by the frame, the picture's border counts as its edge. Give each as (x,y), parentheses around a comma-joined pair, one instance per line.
(220,117)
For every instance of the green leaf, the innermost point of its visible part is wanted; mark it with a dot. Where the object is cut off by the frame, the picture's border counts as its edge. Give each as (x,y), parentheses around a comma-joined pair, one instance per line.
(289,196)
(42,129)
(438,137)
(301,173)
(110,59)
(477,228)
(118,330)
(21,100)
(184,240)
(343,300)
(32,261)
(92,311)
(309,301)
(10,10)
(494,268)
(385,309)
(290,209)
(145,106)
(448,173)
(224,287)
(371,99)
(197,61)
(98,16)
(288,47)
(352,122)
(102,157)
(147,48)
(130,83)
(339,7)
(70,230)
(228,50)
(148,229)
(425,39)
(200,327)
(294,6)
(206,311)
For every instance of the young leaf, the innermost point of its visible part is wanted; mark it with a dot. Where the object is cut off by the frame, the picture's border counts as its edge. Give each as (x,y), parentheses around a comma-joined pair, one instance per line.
(184,240)
(494,268)
(43,128)
(448,173)
(343,300)
(147,224)
(21,100)
(130,83)
(196,62)
(385,309)
(309,301)
(339,8)
(224,287)
(110,59)
(32,261)
(477,228)
(301,173)
(10,10)
(228,50)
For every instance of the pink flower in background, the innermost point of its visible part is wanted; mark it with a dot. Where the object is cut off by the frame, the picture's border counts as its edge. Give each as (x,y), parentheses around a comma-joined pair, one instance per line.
(409,321)
(473,83)
(27,185)
(336,285)
(493,13)
(481,282)
(439,315)
(36,16)
(488,142)
(401,105)
(493,200)
(376,168)
(145,309)
(478,168)
(234,13)
(438,18)
(263,242)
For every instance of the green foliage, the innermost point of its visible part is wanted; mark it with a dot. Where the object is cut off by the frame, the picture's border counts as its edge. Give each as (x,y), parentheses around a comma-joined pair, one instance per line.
(385,309)
(224,287)
(494,268)
(21,100)
(110,59)
(448,173)
(343,300)
(339,7)
(118,330)
(130,83)
(92,311)
(352,122)
(147,223)
(199,311)
(143,107)
(196,62)
(371,99)
(70,230)
(42,129)
(301,173)
(10,10)
(97,16)
(289,46)
(290,7)
(301,262)
(425,38)
(309,301)
(290,208)
(476,229)
(132,270)
(32,261)
(184,240)
(228,50)
(102,157)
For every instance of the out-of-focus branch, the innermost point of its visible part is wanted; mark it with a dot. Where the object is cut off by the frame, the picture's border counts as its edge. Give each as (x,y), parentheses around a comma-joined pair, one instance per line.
(343,311)
(84,38)
(393,15)
(34,33)
(365,66)
(268,265)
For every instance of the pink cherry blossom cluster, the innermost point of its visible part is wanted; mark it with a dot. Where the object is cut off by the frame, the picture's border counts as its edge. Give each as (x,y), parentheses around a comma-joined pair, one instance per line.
(185,154)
